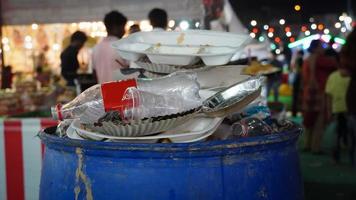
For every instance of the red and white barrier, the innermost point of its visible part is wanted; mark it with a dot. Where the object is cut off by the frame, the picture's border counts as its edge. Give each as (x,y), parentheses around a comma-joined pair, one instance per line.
(21,154)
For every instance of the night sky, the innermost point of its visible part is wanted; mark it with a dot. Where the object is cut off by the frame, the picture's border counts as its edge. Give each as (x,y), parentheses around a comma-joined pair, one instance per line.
(266,11)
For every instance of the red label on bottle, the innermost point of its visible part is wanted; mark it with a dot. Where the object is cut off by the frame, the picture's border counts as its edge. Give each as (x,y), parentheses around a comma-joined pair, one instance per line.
(113,95)
(59,112)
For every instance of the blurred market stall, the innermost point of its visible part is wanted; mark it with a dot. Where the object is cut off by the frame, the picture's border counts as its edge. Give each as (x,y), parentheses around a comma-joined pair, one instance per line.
(34,35)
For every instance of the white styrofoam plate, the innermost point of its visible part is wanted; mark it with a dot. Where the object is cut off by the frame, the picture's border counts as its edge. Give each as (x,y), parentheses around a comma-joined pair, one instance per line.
(181,48)
(191,38)
(196,129)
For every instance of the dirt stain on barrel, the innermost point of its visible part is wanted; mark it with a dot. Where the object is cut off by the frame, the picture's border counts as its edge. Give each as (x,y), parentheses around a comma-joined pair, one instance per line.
(81,177)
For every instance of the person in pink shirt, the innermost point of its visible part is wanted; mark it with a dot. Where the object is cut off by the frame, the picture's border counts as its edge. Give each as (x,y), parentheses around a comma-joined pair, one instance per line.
(105,60)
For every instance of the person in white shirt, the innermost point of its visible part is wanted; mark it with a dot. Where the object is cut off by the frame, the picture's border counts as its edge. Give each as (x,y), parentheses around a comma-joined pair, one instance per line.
(158,19)
(105,60)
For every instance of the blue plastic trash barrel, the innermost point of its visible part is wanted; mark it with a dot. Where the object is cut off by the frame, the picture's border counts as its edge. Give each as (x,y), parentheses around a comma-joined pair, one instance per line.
(265,167)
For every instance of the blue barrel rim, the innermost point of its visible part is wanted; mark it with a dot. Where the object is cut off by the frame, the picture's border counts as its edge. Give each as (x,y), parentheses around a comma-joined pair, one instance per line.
(284,136)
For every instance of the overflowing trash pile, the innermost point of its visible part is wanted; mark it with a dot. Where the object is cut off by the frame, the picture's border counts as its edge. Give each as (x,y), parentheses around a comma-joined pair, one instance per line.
(185,105)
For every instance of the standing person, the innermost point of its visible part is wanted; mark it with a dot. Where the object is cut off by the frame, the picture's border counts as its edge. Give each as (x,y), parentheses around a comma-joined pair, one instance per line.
(105,60)
(298,66)
(158,19)
(42,77)
(336,88)
(7,77)
(330,51)
(287,53)
(274,80)
(69,60)
(41,58)
(348,62)
(316,70)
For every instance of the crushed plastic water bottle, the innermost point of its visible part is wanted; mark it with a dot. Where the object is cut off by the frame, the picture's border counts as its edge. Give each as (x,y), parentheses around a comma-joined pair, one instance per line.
(92,104)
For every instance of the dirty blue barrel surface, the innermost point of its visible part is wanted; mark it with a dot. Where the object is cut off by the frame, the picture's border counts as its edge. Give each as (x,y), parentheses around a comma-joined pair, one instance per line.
(265,167)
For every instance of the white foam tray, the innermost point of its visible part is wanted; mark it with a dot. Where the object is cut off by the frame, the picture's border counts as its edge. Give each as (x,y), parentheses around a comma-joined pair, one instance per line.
(181,48)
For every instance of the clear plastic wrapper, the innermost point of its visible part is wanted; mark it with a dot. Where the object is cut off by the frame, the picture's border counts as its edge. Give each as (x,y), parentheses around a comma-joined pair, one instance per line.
(249,127)
(283,125)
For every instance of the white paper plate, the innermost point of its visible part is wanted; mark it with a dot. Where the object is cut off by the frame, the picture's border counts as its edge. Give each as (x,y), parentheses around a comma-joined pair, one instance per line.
(145,127)
(181,47)
(195,129)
